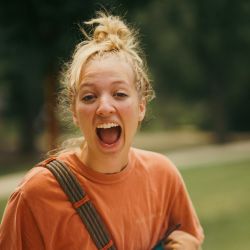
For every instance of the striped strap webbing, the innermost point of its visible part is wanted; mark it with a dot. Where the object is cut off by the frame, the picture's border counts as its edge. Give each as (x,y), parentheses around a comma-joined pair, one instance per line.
(82,204)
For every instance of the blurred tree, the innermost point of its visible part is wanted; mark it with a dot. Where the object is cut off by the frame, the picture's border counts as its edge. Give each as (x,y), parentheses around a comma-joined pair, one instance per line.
(222,46)
(200,50)
(34,35)
(197,50)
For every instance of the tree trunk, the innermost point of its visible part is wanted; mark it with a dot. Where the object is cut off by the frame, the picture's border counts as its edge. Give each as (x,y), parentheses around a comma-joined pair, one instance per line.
(52,127)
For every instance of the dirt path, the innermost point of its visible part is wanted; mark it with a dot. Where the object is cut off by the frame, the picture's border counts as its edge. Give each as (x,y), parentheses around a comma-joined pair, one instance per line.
(8,183)
(192,157)
(206,155)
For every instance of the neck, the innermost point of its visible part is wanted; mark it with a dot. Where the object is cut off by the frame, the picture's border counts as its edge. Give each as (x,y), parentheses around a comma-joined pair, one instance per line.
(104,163)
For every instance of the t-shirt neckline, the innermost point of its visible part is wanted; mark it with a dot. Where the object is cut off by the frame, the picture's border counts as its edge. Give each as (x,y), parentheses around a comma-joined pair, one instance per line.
(98,177)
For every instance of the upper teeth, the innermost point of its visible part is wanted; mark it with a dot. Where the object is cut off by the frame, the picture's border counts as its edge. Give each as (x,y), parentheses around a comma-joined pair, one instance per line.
(108,125)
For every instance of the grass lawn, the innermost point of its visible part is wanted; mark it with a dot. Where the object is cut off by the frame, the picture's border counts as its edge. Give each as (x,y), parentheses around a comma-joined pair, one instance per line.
(2,206)
(221,197)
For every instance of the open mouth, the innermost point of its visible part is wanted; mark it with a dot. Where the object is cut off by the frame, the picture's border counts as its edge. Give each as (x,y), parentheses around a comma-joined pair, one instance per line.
(108,133)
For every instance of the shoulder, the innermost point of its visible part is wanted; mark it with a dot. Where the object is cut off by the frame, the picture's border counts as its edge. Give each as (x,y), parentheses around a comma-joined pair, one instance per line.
(39,182)
(36,181)
(30,192)
(155,162)
(152,158)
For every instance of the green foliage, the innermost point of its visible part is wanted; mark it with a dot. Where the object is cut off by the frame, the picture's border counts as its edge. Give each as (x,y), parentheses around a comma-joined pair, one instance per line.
(199,51)
(35,35)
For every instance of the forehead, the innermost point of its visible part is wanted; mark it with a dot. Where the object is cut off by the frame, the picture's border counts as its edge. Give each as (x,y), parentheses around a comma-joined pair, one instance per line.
(112,68)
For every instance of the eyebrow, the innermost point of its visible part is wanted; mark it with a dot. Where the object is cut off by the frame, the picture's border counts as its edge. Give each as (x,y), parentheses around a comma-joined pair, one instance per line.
(86,84)
(89,84)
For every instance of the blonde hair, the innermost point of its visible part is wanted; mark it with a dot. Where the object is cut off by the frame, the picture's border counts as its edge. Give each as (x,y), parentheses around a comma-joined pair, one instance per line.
(109,35)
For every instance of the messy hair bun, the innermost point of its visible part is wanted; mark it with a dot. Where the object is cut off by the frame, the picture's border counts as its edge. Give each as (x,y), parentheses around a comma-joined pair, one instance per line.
(109,35)
(112,31)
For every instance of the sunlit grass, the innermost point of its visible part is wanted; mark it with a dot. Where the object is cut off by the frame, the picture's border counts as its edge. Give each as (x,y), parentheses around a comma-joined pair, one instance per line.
(221,198)
(3,202)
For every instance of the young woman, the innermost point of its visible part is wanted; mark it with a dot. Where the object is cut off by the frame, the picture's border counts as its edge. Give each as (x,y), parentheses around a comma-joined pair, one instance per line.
(138,194)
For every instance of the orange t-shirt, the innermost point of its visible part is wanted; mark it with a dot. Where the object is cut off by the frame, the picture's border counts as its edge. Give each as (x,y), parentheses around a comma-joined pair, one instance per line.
(137,205)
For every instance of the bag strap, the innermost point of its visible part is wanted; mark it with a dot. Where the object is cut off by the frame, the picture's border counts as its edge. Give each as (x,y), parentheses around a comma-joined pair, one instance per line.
(82,204)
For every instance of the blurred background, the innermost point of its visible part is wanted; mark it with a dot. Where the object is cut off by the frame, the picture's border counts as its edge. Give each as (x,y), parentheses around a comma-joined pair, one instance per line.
(198,54)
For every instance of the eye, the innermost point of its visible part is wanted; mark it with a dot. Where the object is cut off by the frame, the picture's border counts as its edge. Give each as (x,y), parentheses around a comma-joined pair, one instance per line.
(89,98)
(120,95)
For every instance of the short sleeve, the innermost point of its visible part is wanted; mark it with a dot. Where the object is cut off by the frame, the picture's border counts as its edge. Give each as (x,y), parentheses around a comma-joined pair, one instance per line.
(19,229)
(182,212)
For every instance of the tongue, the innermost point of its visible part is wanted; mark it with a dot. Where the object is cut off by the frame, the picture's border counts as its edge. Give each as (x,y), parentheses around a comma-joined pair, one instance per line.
(109,135)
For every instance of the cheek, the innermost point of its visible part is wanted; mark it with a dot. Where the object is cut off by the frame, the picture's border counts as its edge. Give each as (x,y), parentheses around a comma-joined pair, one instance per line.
(84,111)
(84,117)
(131,111)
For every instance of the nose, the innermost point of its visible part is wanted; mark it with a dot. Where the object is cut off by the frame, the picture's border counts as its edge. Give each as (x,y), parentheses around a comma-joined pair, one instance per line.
(105,107)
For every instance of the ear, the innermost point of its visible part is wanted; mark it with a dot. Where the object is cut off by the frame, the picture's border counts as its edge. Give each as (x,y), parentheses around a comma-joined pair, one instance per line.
(142,109)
